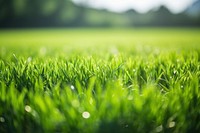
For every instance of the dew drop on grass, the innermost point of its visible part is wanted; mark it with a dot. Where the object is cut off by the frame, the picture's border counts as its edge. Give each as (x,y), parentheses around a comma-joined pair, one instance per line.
(172,124)
(182,86)
(29,59)
(175,72)
(2,119)
(72,87)
(159,128)
(86,115)
(27,108)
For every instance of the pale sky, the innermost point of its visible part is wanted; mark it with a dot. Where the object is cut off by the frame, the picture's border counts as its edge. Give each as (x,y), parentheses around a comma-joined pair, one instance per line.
(139,5)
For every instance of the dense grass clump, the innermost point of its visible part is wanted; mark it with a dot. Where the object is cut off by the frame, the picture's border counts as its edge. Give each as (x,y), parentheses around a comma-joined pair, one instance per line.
(123,86)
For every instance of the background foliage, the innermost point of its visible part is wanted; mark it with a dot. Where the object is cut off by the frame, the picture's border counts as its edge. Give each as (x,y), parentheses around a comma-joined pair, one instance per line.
(64,13)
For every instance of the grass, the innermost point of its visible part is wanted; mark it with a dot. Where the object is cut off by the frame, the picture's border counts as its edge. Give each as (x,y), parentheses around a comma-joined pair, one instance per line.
(100,80)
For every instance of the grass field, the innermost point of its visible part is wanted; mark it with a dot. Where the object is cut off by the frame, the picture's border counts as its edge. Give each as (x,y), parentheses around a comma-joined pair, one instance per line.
(100,80)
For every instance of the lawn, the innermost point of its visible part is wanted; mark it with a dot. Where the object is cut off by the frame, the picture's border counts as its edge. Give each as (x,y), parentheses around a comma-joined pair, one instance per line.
(100,80)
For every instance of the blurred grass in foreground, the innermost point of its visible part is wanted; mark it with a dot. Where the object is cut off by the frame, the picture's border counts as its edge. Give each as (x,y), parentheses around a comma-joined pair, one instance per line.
(100,80)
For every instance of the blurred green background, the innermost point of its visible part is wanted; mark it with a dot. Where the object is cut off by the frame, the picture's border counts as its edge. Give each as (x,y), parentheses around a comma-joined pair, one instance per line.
(65,13)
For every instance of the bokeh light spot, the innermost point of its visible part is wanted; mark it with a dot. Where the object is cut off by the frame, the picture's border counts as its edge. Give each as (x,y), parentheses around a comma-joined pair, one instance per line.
(86,115)
(2,119)
(72,87)
(28,108)
(159,129)
(172,124)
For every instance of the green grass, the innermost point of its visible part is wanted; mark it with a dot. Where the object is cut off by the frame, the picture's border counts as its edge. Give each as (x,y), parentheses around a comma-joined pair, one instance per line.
(100,80)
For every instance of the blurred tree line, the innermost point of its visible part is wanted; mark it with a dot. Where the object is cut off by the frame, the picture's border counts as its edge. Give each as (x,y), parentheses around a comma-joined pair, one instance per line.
(64,13)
